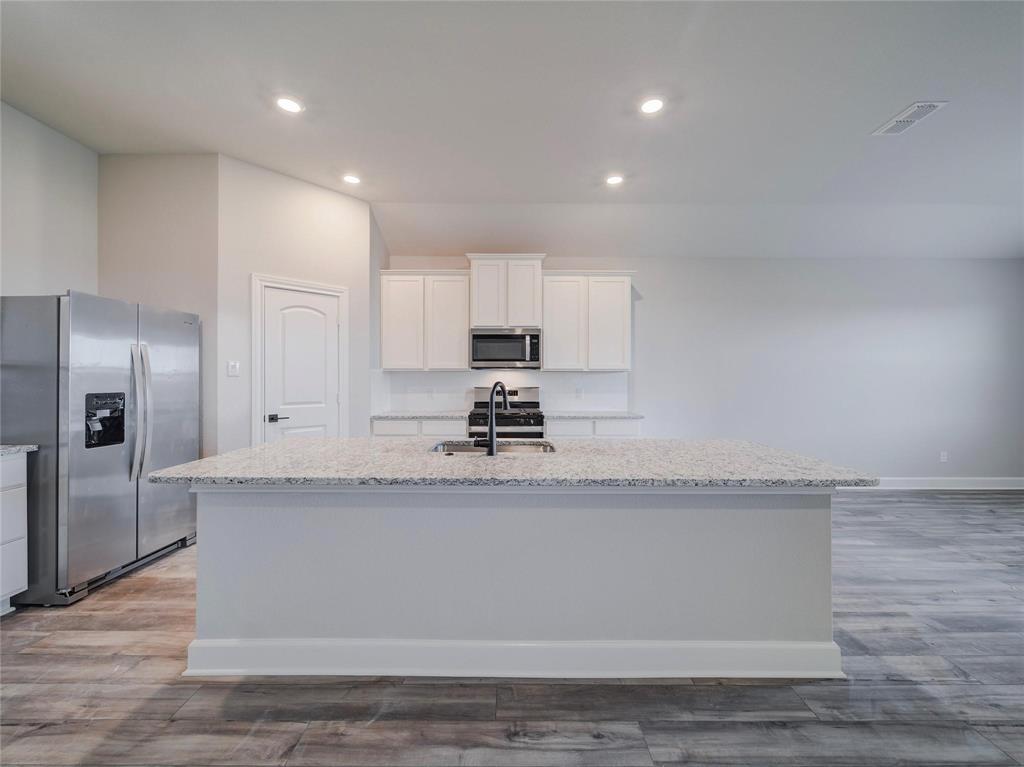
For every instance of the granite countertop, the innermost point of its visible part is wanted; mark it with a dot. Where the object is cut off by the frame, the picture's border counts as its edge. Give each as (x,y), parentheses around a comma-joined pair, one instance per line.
(575,463)
(420,415)
(16,449)
(593,415)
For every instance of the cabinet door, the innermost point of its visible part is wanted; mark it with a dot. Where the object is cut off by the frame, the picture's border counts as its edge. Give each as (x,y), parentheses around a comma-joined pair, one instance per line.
(609,312)
(564,342)
(401,322)
(488,293)
(397,428)
(447,315)
(525,286)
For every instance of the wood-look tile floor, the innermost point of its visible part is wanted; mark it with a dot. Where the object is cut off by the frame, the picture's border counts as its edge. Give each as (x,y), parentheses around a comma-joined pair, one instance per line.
(929,611)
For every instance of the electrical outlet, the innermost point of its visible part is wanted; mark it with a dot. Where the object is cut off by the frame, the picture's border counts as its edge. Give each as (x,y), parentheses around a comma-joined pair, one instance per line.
(943,457)
(579,392)
(234,368)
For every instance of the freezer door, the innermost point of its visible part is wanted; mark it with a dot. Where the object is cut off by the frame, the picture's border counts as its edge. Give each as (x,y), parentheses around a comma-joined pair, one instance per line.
(96,506)
(169,342)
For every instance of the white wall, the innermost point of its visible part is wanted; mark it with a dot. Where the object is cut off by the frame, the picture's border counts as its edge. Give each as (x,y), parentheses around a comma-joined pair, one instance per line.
(587,230)
(274,224)
(48,189)
(380,257)
(158,246)
(876,363)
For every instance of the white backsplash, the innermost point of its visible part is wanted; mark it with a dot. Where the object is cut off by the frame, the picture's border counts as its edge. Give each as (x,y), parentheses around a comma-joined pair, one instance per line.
(436,391)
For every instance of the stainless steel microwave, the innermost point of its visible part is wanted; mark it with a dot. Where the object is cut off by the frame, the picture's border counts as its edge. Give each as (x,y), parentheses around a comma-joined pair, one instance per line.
(504,347)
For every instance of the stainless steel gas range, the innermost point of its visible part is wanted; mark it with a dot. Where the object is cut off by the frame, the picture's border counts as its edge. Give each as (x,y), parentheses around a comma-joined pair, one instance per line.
(522,420)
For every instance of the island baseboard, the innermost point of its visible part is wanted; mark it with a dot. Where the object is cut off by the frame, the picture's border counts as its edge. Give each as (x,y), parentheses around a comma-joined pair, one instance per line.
(561,659)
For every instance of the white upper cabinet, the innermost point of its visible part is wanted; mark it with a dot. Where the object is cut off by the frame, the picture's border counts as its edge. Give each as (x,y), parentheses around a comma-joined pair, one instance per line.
(401,322)
(426,316)
(447,322)
(609,322)
(587,321)
(525,287)
(489,293)
(505,290)
(564,345)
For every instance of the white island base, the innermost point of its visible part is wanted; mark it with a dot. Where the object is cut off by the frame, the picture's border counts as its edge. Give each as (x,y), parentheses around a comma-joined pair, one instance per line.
(514,581)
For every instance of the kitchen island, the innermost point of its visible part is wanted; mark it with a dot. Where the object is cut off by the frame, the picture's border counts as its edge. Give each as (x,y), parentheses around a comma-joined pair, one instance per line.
(604,558)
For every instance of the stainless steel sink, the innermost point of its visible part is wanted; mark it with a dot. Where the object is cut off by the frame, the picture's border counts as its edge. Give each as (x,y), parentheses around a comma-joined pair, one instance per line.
(465,446)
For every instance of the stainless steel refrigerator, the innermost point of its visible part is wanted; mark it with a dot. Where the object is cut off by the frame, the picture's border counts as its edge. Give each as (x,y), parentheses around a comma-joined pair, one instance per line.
(109,390)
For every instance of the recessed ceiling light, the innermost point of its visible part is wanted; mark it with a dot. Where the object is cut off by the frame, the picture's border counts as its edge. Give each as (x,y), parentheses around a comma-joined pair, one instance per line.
(652,106)
(350,179)
(289,105)
(614,180)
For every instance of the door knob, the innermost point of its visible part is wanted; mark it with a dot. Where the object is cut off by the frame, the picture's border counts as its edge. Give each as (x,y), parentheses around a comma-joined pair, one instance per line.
(274,418)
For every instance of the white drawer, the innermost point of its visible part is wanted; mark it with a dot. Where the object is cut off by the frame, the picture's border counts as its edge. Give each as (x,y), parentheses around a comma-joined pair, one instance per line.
(13,568)
(625,427)
(396,428)
(13,514)
(570,427)
(12,471)
(443,428)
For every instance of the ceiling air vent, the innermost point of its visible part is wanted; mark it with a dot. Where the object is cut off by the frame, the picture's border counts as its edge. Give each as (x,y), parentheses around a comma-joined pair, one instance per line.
(909,117)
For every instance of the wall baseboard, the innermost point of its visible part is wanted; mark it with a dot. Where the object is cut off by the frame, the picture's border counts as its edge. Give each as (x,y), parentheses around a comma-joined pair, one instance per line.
(946,483)
(539,659)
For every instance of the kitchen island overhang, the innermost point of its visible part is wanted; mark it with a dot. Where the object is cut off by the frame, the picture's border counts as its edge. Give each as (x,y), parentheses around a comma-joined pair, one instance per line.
(366,569)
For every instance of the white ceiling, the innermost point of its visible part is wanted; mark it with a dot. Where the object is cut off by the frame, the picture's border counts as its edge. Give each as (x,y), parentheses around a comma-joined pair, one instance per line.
(493,105)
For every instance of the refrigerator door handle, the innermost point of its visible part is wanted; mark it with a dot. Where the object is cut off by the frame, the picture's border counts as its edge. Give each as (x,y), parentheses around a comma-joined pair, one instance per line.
(139,397)
(147,370)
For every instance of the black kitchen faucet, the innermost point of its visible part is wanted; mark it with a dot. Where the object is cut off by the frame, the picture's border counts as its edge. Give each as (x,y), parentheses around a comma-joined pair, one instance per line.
(491,442)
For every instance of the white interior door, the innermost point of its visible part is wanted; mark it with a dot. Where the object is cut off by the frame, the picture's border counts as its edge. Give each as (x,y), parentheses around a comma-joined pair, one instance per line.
(301,381)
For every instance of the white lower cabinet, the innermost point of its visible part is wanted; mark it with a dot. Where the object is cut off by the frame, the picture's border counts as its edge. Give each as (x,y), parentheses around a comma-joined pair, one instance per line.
(617,427)
(13,529)
(415,427)
(391,428)
(555,427)
(443,428)
(570,427)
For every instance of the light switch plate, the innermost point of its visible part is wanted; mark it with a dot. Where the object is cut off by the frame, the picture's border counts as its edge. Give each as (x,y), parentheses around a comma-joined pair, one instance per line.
(234,368)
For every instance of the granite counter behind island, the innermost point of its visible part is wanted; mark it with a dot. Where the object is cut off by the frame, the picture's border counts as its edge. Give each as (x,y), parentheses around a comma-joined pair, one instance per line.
(605,558)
